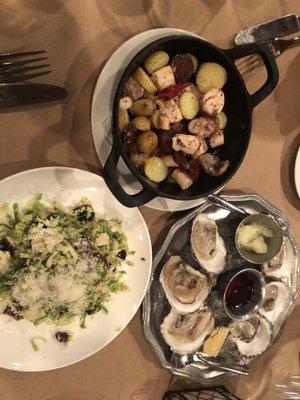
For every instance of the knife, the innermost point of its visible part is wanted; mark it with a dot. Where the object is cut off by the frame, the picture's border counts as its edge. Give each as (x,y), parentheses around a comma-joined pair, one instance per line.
(274,28)
(23,94)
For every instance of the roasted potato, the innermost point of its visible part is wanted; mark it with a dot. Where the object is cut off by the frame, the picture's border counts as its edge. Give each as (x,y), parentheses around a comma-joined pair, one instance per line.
(154,119)
(141,123)
(222,119)
(123,119)
(148,95)
(143,107)
(155,169)
(147,142)
(156,60)
(144,80)
(210,75)
(194,89)
(189,105)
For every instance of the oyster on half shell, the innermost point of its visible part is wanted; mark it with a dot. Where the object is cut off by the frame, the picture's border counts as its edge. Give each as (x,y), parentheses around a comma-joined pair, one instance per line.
(277,299)
(185,333)
(207,245)
(185,288)
(251,337)
(281,265)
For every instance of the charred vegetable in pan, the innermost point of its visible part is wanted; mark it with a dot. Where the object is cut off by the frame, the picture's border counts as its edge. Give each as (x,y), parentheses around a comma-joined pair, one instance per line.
(170,125)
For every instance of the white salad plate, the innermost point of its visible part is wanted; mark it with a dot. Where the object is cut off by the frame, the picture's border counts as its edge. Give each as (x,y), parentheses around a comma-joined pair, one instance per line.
(101,112)
(297,173)
(68,186)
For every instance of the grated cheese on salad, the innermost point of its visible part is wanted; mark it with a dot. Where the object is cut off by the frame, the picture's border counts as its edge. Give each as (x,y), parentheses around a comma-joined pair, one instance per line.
(58,263)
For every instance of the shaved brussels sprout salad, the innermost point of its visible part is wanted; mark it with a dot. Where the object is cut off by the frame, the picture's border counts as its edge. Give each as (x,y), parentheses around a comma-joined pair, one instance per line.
(58,263)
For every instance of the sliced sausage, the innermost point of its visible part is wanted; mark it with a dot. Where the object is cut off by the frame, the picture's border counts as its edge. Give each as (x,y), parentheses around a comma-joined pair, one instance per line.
(194,169)
(169,161)
(201,150)
(178,127)
(191,167)
(183,180)
(183,67)
(203,126)
(170,110)
(181,160)
(163,78)
(134,89)
(216,139)
(165,142)
(186,143)
(212,102)
(163,123)
(125,103)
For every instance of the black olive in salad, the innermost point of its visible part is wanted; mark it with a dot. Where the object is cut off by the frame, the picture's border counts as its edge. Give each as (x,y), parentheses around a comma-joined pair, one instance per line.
(62,336)
(84,212)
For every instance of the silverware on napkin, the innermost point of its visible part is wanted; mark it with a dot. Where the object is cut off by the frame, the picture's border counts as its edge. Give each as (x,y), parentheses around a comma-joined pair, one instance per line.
(23,94)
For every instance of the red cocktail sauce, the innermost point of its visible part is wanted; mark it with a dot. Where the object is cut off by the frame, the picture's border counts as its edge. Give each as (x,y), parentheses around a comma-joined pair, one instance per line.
(239,292)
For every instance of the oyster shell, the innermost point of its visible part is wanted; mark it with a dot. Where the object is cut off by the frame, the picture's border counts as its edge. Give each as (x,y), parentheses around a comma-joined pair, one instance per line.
(251,337)
(207,245)
(244,330)
(185,333)
(185,288)
(281,265)
(277,299)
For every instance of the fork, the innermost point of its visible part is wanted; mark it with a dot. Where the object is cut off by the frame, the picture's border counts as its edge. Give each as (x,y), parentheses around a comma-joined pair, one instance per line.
(17,67)
(289,390)
(277,46)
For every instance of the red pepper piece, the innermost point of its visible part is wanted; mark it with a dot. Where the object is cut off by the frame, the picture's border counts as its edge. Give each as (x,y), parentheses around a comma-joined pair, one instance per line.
(172,91)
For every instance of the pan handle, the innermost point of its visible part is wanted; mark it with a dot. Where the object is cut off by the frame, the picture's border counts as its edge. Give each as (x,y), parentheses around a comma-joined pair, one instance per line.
(262,49)
(110,176)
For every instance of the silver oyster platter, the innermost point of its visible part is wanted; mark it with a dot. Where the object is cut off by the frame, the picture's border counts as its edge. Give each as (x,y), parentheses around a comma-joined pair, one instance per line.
(177,243)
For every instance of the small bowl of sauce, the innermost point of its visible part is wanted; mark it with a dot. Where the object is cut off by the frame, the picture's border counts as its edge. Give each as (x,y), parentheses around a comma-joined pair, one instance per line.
(244,294)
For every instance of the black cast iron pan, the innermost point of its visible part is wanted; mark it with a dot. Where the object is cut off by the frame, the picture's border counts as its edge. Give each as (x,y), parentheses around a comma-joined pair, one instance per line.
(238,108)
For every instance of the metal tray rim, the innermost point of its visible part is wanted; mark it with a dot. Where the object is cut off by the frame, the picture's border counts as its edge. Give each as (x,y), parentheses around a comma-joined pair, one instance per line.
(147,303)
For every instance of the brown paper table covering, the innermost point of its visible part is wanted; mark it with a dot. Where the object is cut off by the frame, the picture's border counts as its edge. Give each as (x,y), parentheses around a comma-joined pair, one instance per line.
(80,35)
